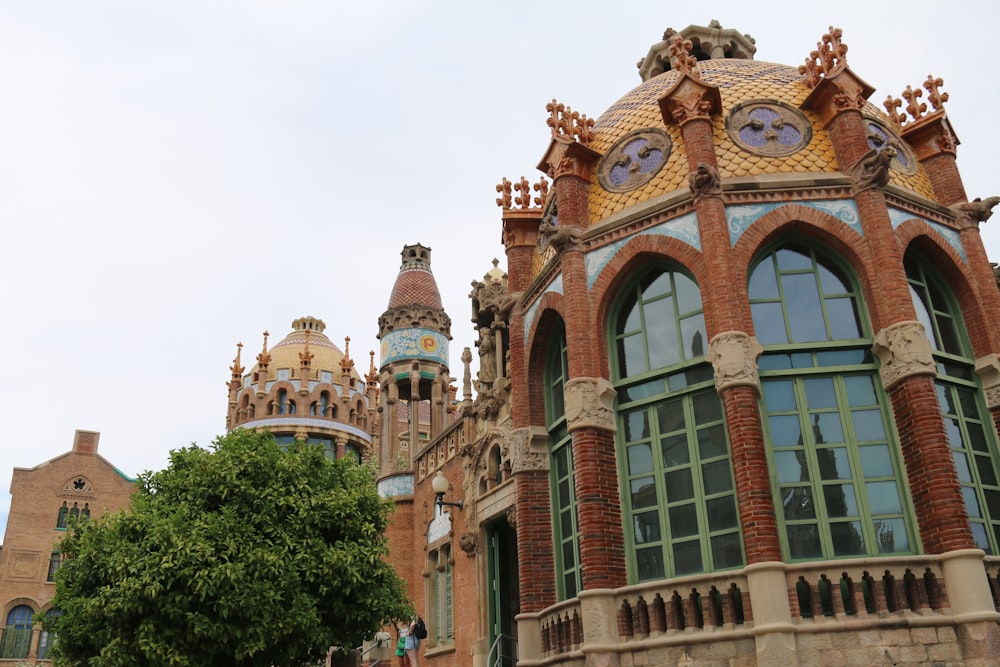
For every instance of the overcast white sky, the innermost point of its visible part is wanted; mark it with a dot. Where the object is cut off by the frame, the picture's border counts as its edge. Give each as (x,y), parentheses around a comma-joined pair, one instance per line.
(176,177)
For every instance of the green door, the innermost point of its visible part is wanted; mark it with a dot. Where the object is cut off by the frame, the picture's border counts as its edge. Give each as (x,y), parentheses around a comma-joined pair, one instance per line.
(503,593)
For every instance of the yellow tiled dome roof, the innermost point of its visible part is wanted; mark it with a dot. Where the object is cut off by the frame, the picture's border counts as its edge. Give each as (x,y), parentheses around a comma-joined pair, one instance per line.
(739,81)
(325,355)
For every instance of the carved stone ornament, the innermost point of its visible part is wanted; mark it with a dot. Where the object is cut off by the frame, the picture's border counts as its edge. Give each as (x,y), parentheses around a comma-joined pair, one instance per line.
(988,370)
(529,449)
(970,214)
(733,355)
(768,127)
(469,543)
(704,180)
(872,171)
(881,137)
(634,159)
(590,403)
(904,351)
(560,237)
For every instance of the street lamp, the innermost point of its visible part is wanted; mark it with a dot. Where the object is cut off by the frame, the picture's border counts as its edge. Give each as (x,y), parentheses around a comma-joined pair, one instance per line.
(440,486)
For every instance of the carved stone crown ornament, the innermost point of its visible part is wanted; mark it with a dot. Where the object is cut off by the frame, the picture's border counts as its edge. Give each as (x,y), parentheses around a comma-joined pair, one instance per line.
(733,355)
(529,449)
(590,403)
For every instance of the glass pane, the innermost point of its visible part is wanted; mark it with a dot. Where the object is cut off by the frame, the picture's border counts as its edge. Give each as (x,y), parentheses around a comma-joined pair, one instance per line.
(779,395)
(640,459)
(954,433)
(675,451)
(979,536)
(831,278)
(763,284)
(992,503)
(628,317)
(844,320)
(820,393)
(803,541)
(868,425)
(891,537)
(804,312)
(566,522)
(564,494)
(842,357)
(826,428)
(707,407)
(655,284)
(726,551)
(661,334)
(840,500)
(687,557)
(670,415)
(798,503)
(721,513)
(687,293)
(791,466)
(636,425)
(716,477)
(971,502)
(883,497)
(793,258)
(649,563)
(987,473)
(962,466)
(693,336)
(647,527)
(683,521)
(847,538)
(875,461)
(712,441)
(860,390)
(568,555)
(785,430)
(631,356)
(679,486)
(977,439)
(923,316)
(769,323)
(833,463)
(643,492)
(967,400)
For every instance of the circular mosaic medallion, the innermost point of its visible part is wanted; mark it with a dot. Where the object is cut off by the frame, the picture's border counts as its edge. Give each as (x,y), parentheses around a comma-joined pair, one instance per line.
(880,136)
(769,128)
(634,160)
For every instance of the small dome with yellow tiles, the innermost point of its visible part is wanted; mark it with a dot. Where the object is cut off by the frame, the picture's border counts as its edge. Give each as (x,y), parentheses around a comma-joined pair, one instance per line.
(761,130)
(306,341)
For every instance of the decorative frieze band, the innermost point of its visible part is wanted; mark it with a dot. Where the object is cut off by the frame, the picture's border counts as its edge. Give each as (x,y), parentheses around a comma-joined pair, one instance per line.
(733,355)
(529,449)
(590,403)
(903,350)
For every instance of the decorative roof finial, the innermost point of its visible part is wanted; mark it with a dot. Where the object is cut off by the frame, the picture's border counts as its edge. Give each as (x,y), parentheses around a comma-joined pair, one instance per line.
(936,97)
(684,62)
(346,364)
(829,57)
(305,357)
(568,124)
(264,358)
(372,377)
(236,368)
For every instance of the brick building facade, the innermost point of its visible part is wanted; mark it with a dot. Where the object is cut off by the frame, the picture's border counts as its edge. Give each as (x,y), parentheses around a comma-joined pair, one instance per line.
(79,483)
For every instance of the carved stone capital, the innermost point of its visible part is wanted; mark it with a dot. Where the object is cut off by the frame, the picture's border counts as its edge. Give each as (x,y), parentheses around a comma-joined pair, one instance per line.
(733,355)
(529,449)
(688,99)
(590,403)
(988,370)
(903,350)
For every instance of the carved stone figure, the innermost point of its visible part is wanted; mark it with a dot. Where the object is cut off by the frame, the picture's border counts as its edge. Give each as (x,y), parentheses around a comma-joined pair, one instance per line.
(704,180)
(976,211)
(904,350)
(872,171)
(468,543)
(561,237)
(487,359)
(733,355)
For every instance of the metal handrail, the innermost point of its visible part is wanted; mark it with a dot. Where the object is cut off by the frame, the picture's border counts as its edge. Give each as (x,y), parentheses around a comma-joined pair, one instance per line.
(500,656)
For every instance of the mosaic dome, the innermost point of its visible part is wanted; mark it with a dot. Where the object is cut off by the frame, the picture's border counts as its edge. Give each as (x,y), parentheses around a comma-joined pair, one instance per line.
(761,131)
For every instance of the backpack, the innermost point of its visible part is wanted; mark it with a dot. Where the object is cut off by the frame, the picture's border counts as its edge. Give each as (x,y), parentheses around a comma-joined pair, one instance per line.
(420,630)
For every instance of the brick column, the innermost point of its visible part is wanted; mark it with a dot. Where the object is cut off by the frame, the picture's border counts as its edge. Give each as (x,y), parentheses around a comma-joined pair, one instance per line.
(901,344)
(691,103)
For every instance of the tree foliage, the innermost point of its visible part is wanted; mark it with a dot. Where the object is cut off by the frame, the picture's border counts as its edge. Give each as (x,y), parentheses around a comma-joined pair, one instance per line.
(242,555)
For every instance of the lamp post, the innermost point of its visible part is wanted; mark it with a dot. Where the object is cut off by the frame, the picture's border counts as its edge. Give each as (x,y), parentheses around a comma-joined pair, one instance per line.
(440,486)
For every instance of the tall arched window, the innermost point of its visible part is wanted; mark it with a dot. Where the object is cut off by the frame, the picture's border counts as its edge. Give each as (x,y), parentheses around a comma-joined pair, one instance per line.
(970,433)
(442,598)
(835,463)
(679,503)
(16,638)
(564,534)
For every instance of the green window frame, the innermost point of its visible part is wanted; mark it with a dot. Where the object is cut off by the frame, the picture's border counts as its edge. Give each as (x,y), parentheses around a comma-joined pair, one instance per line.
(443,595)
(971,435)
(678,492)
(565,527)
(834,459)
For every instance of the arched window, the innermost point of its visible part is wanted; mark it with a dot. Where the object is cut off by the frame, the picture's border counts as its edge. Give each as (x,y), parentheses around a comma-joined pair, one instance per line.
(55,560)
(834,458)
(972,438)
(565,532)
(61,517)
(282,401)
(47,638)
(679,503)
(16,638)
(324,403)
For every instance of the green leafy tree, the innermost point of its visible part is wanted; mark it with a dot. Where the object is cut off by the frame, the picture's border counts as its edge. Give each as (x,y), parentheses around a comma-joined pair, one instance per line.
(242,555)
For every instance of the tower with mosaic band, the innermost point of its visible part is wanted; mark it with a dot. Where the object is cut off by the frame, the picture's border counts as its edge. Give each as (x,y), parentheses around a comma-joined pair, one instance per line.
(415,385)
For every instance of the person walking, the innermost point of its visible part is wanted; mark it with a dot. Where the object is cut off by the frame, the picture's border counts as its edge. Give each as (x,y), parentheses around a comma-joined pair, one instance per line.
(402,631)
(413,643)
